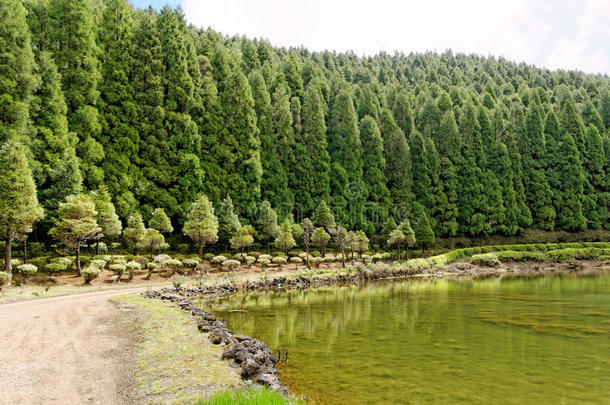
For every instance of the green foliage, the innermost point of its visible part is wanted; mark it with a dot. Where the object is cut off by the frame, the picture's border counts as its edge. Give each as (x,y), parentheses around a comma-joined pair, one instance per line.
(135,231)
(152,241)
(243,238)
(285,240)
(485,259)
(251,396)
(160,221)
(201,224)
(5,279)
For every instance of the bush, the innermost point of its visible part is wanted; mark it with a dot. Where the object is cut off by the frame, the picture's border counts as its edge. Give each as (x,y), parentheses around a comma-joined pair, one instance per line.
(296,259)
(133,265)
(219,259)
(162,258)
(263,262)
(231,264)
(316,261)
(4,279)
(276,254)
(208,256)
(118,269)
(386,255)
(255,254)
(55,267)
(376,257)
(417,264)
(250,260)
(90,273)
(315,253)
(279,260)
(66,261)
(16,263)
(190,263)
(485,259)
(119,262)
(303,255)
(367,259)
(27,269)
(437,262)
(177,281)
(97,263)
(267,257)
(329,258)
(172,264)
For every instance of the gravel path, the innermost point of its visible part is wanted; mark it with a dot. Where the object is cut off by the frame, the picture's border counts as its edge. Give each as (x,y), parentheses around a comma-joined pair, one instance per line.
(64,350)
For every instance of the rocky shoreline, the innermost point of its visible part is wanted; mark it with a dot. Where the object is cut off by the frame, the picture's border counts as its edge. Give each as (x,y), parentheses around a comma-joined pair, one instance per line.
(254,357)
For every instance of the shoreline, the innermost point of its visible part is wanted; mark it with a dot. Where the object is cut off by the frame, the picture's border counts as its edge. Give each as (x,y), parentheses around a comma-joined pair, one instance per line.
(254,358)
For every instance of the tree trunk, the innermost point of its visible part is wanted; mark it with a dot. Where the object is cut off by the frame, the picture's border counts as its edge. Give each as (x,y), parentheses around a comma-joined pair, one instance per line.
(343,256)
(407,250)
(423,250)
(25,251)
(267,245)
(307,253)
(201,250)
(352,257)
(399,252)
(97,247)
(7,259)
(78,269)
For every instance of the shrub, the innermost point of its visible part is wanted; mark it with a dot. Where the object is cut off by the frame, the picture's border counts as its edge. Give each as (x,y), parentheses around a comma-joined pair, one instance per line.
(315,253)
(162,258)
(177,281)
(27,269)
(267,257)
(172,264)
(250,260)
(376,257)
(417,264)
(329,258)
(190,263)
(66,261)
(90,273)
(279,260)
(4,279)
(296,259)
(263,262)
(130,258)
(485,259)
(437,262)
(231,264)
(208,256)
(386,255)
(119,262)
(55,267)
(255,254)
(367,259)
(133,265)
(218,259)
(97,263)
(303,255)
(16,263)
(118,269)
(316,261)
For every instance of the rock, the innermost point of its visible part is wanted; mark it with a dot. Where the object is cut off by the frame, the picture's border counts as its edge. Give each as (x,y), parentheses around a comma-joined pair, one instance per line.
(269,380)
(249,369)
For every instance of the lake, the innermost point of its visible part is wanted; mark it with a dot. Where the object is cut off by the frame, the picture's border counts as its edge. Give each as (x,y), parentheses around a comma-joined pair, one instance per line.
(517,340)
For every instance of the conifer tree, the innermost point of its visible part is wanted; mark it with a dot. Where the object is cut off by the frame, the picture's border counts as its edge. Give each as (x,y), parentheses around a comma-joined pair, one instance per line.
(424,235)
(525,216)
(242,238)
(284,144)
(117,109)
(387,227)
(397,238)
(499,161)
(76,54)
(570,191)
(403,114)
(152,241)
(315,143)
(19,208)
(106,218)
(409,234)
(422,186)
(76,224)
(201,224)
(320,237)
(267,222)
(17,74)
(292,73)
(373,162)
(594,159)
(308,229)
(323,217)
(398,159)
(56,169)
(284,239)
(134,231)
(160,221)
(228,220)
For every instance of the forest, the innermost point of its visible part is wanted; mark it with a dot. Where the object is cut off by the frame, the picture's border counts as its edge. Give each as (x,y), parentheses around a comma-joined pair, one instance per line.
(142,112)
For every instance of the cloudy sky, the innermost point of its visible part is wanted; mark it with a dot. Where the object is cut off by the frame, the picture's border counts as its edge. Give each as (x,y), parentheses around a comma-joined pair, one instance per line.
(557,34)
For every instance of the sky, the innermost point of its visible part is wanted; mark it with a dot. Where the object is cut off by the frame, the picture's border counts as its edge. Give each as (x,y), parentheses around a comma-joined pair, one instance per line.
(556,34)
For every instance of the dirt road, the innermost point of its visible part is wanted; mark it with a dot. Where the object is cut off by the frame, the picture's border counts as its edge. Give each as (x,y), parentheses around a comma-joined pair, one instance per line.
(64,350)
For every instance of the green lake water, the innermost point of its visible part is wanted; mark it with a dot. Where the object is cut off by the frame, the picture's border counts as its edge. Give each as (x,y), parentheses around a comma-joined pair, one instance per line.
(519,340)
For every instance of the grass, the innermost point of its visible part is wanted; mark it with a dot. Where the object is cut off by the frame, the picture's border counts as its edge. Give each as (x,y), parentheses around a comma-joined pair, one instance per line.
(174,363)
(251,396)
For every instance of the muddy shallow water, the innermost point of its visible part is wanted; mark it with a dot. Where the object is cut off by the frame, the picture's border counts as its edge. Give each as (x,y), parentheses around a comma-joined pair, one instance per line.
(527,339)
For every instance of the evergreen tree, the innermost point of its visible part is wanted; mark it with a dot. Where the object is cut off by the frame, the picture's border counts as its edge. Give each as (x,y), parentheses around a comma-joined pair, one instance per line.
(398,159)
(76,224)
(424,235)
(228,220)
(403,114)
(267,222)
(284,239)
(422,186)
(17,72)
(292,73)
(308,229)
(160,221)
(201,224)
(76,55)
(570,191)
(315,143)
(284,143)
(373,162)
(19,208)
(408,233)
(106,218)
(56,169)
(117,109)
(134,231)
(397,238)
(499,161)
(594,159)
(152,241)
(242,238)
(323,217)
(320,237)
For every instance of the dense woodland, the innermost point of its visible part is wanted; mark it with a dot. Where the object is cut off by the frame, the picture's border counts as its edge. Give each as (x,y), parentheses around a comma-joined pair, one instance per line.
(148,112)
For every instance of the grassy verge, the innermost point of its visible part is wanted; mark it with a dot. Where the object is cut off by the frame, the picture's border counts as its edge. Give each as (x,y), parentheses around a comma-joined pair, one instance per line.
(174,363)
(251,396)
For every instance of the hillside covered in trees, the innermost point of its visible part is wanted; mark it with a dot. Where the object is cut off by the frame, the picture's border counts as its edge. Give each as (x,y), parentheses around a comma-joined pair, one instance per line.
(156,112)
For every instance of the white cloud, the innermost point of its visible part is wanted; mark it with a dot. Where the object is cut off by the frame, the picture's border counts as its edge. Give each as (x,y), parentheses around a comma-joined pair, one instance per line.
(560,34)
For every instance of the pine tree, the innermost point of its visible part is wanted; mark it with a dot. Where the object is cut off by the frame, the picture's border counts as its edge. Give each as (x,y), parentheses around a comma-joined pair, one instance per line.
(499,161)
(292,73)
(106,218)
(76,55)
(201,224)
(398,160)
(570,192)
(160,221)
(134,231)
(315,143)
(17,72)
(403,114)
(308,229)
(397,238)
(284,239)
(594,159)
(373,162)
(242,238)
(19,208)
(323,216)
(422,186)
(424,234)
(118,111)
(320,237)
(284,144)
(152,241)
(76,224)
(409,234)
(228,220)
(267,222)
(56,169)
(525,216)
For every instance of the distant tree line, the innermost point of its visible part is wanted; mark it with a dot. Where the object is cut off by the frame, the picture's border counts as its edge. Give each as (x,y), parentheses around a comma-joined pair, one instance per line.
(151,115)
